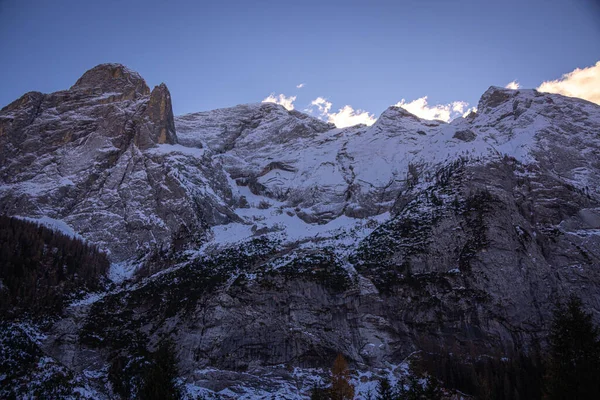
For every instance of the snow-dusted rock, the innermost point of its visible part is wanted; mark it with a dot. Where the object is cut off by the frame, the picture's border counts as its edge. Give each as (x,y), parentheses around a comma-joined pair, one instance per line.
(94,157)
(291,240)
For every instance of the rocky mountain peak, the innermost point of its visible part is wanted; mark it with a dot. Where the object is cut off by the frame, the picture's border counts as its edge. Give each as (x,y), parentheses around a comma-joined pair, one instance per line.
(159,123)
(372,241)
(394,112)
(25,101)
(105,78)
(495,96)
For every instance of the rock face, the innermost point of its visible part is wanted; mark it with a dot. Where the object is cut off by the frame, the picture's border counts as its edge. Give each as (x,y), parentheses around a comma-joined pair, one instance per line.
(290,240)
(94,157)
(158,124)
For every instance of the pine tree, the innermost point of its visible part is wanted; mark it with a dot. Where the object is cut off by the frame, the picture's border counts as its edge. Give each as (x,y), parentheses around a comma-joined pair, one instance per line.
(411,388)
(158,382)
(341,388)
(384,390)
(320,393)
(574,361)
(431,389)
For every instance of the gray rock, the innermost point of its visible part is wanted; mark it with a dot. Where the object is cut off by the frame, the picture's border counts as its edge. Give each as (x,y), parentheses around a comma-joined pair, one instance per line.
(425,235)
(93,157)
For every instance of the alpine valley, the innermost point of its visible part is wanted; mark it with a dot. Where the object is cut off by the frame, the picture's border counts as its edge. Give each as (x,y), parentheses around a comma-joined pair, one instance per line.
(261,242)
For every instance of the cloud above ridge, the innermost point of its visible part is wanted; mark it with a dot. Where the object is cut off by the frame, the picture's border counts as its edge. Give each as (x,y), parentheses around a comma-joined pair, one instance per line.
(443,112)
(345,117)
(322,105)
(287,102)
(581,82)
(513,85)
(348,116)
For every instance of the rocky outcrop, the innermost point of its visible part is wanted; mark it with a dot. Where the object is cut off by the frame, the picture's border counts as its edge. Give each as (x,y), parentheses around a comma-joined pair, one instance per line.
(157,125)
(113,79)
(91,157)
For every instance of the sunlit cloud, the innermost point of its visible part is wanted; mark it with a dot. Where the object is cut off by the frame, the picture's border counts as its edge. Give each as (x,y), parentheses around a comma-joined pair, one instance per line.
(348,116)
(514,85)
(345,117)
(581,82)
(459,106)
(287,102)
(300,85)
(469,111)
(443,112)
(322,104)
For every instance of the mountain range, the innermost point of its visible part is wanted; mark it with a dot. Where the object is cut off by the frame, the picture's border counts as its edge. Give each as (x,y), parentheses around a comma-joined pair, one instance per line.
(263,242)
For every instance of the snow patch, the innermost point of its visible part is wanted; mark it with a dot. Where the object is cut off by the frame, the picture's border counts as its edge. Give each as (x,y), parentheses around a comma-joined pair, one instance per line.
(54,224)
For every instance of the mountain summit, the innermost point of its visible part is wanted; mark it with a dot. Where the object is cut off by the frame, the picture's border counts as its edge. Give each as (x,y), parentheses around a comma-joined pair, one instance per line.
(257,238)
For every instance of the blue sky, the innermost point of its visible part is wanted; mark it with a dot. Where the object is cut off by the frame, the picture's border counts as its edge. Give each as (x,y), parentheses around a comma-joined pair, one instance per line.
(367,54)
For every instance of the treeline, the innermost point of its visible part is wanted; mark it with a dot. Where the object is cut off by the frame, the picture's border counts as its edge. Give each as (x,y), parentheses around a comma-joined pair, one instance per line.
(39,266)
(145,374)
(518,377)
(567,369)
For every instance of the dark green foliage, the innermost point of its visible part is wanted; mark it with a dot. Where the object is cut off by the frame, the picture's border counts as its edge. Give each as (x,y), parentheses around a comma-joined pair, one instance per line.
(322,267)
(574,359)
(475,208)
(386,255)
(159,378)
(39,267)
(518,377)
(453,172)
(26,373)
(55,386)
(319,392)
(384,390)
(412,176)
(406,235)
(114,321)
(413,388)
(125,372)
(18,353)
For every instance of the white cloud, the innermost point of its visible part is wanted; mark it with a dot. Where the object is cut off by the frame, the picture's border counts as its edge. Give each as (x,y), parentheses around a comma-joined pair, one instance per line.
(348,116)
(444,112)
(514,85)
(287,102)
(300,86)
(322,104)
(469,111)
(583,83)
(459,106)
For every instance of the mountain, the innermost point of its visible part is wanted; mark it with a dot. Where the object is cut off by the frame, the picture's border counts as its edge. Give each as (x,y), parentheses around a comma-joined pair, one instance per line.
(263,242)
(102,157)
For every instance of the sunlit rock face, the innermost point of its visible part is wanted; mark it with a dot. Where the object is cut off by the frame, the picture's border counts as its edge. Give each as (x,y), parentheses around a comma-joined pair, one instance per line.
(282,240)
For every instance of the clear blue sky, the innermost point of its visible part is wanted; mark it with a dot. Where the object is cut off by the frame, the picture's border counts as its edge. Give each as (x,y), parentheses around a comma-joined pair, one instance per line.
(368,54)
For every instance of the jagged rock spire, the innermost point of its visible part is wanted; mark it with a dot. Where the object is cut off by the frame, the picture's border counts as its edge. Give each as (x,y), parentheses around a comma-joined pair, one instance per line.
(158,126)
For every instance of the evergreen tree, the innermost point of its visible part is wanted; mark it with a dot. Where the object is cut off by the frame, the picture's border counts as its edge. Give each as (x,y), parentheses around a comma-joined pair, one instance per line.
(158,381)
(341,388)
(320,393)
(384,390)
(574,360)
(40,267)
(411,388)
(431,389)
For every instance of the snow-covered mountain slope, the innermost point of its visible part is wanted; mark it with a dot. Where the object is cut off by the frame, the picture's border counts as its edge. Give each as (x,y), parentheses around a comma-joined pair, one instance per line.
(267,237)
(319,173)
(102,158)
